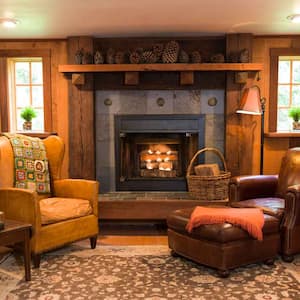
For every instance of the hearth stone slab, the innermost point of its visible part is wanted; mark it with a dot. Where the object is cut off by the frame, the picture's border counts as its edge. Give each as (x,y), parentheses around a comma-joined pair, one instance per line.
(146,205)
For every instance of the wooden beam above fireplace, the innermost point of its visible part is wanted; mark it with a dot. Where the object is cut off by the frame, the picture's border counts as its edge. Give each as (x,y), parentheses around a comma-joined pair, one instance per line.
(160,67)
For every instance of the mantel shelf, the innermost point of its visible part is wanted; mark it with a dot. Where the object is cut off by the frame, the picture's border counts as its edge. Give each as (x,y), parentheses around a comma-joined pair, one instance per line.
(160,67)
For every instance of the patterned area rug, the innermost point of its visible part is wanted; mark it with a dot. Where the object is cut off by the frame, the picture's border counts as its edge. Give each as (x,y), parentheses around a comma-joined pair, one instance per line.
(141,272)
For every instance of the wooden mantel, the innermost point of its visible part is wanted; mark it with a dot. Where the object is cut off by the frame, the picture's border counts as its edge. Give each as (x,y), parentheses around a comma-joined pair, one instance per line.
(160,67)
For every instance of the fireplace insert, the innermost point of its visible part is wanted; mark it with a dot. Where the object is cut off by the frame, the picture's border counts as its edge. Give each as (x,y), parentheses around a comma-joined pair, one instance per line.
(153,151)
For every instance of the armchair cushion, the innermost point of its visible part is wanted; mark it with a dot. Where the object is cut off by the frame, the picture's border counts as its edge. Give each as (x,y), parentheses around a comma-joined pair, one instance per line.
(56,209)
(270,206)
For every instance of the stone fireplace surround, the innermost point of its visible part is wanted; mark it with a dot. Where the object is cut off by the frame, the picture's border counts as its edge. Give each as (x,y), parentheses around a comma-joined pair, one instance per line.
(134,102)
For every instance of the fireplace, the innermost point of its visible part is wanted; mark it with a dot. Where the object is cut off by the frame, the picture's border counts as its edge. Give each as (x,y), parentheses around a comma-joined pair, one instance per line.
(153,151)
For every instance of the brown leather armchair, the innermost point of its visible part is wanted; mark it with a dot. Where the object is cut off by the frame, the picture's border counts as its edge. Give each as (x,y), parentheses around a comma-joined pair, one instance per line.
(278,195)
(26,205)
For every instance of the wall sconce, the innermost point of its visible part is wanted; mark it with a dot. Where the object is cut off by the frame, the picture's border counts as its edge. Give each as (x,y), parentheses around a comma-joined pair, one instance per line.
(252,104)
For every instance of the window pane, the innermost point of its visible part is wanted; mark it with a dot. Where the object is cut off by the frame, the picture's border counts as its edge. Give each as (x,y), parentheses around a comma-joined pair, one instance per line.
(22,72)
(20,121)
(37,72)
(296,71)
(283,120)
(22,96)
(296,95)
(283,95)
(38,122)
(284,71)
(37,96)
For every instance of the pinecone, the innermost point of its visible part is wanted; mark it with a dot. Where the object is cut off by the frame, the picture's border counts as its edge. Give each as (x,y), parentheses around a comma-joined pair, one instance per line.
(120,57)
(98,58)
(110,56)
(134,57)
(158,50)
(87,58)
(196,57)
(244,56)
(170,53)
(217,58)
(148,57)
(183,57)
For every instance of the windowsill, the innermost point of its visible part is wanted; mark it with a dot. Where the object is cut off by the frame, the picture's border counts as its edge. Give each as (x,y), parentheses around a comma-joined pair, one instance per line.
(283,134)
(39,134)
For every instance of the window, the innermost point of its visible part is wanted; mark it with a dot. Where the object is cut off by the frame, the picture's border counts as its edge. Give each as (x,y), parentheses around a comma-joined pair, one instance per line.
(25,79)
(288,94)
(284,87)
(26,89)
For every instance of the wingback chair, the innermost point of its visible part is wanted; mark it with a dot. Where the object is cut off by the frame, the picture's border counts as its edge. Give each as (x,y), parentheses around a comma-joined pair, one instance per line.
(278,195)
(72,204)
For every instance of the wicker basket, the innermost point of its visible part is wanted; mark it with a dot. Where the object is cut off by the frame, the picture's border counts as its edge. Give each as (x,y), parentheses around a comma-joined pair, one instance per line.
(208,187)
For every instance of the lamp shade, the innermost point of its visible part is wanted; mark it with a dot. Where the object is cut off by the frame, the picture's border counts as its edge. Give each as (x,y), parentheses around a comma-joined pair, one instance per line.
(250,102)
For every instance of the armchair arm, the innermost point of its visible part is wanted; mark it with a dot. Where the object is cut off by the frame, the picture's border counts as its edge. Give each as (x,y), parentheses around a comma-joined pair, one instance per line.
(78,188)
(292,207)
(250,187)
(21,205)
(290,227)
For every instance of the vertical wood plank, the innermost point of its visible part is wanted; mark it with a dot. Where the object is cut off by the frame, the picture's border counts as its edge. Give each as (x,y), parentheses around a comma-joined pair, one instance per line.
(242,131)
(81,117)
(4,113)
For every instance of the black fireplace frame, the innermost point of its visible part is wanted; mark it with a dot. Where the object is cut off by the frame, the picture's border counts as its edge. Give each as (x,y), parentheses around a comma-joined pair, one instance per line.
(187,124)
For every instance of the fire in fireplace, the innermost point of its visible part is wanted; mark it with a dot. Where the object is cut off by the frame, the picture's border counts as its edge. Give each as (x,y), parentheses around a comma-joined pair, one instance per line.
(159,160)
(153,151)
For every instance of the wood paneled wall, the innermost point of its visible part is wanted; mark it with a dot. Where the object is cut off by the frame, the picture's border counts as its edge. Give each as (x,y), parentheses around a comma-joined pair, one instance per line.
(242,132)
(59,85)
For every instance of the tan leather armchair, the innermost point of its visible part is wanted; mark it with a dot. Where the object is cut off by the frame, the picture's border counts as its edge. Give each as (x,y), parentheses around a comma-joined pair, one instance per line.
(278,195)
(24,205)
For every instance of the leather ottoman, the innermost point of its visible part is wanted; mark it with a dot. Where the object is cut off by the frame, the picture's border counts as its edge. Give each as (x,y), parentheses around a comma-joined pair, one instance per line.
(222,246)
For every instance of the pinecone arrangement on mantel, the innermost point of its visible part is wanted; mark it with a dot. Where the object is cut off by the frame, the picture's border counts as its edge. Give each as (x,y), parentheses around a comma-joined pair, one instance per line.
(168,53)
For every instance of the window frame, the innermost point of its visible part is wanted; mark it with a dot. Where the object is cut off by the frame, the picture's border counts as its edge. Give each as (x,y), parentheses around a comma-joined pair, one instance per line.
(275,53)
(4,93)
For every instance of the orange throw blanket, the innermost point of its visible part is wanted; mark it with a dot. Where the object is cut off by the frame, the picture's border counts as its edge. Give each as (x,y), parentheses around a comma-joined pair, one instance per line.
(250,219)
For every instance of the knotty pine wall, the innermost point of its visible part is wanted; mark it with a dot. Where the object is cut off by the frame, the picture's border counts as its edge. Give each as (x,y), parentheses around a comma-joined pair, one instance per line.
(59,85)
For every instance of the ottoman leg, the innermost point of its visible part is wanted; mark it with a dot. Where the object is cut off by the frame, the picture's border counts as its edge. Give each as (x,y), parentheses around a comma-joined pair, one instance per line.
(174,254)
(287,258)
(269,261)
(223,273)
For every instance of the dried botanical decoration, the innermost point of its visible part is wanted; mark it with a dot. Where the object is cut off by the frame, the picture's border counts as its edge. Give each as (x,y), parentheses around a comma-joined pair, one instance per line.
(148,57)
(244,56)
(158,49)
(120,57)
(217,58)
(87,58)
(170,53)
(196,57)
(135,57)
(98,57)
(183,56)
(110,56)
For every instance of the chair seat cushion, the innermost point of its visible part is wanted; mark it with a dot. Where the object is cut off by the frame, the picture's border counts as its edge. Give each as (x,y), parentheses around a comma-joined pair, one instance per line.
(270,206)
(56,209)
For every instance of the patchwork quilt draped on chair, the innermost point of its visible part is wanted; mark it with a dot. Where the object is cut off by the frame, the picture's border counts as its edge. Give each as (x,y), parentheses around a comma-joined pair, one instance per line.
(31,163)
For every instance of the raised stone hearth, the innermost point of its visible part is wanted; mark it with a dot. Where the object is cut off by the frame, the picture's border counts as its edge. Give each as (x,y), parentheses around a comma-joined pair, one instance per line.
(146,205)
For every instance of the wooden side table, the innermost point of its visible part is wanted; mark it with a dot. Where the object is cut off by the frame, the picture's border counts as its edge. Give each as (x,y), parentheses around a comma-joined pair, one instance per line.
(18,232)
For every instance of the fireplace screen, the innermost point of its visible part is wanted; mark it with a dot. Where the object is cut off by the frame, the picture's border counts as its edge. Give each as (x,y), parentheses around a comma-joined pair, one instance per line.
(153,152)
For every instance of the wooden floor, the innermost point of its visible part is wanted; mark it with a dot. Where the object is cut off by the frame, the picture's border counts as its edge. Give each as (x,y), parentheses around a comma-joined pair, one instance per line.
(120,233)
(124,233)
